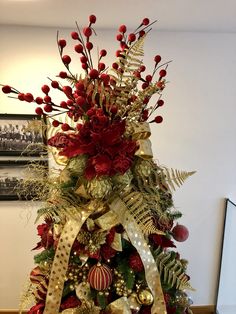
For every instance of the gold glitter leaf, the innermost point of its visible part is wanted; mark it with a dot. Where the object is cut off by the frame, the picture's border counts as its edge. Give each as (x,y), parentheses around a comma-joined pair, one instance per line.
(141,212)
(171,270)
(172,178)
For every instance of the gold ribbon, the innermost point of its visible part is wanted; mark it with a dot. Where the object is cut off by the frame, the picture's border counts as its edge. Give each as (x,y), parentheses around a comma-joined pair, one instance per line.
(138,241)
(61,259)
(141,133)
(119,306)
(140,130)
(145,149)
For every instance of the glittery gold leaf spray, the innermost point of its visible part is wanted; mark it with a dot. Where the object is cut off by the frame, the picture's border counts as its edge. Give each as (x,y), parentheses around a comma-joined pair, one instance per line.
(141,212)
(172,178)
(92,240)
(171,270)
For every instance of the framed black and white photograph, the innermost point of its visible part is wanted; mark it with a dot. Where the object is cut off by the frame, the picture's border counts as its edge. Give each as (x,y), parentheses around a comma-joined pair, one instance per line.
(21,135)
(14,174)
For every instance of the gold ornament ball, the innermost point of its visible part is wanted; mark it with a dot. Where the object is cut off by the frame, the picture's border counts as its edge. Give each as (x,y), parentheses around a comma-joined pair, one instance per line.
(145,297)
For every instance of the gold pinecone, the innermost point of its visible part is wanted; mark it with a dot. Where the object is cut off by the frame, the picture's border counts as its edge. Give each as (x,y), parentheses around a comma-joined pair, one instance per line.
(76,165)
(122,180)
(99,188)
(144,168)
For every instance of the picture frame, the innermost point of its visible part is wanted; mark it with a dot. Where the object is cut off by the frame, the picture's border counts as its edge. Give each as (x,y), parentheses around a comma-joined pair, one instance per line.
(13,173)
(22,135)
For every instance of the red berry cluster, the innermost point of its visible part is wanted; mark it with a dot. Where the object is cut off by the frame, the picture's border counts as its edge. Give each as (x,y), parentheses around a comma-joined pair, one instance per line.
(79,96)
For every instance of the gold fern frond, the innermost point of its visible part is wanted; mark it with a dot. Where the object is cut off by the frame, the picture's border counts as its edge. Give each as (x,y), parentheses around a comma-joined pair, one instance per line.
(141,212)
(172,178)
(171,270)
(129,61)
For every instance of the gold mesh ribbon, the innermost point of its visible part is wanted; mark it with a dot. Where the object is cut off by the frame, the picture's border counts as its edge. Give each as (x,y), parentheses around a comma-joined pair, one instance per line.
(119,306)
(61,260)
(141,133)
(136,237)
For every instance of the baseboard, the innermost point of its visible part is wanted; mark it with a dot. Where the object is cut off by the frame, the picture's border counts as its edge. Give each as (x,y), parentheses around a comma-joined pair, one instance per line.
(201,309)
(11,312)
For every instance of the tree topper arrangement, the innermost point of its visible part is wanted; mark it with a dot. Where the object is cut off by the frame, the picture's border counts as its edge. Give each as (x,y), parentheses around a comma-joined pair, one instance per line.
(109,222)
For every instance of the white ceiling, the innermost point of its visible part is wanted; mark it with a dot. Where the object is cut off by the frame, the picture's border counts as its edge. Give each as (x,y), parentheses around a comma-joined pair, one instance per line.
(179,15)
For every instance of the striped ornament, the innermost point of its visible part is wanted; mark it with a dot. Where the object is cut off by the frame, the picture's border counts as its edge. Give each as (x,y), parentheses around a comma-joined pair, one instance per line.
(100,277)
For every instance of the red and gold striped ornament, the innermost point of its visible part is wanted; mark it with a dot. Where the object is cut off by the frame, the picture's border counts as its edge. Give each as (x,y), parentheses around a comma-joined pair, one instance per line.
(100,276)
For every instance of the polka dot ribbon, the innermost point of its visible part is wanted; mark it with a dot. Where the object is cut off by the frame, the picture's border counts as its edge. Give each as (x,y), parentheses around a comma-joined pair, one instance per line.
(137,239)
(61,260)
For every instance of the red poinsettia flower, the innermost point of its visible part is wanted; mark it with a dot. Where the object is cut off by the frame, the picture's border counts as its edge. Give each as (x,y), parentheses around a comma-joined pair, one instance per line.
(121,164)
(60,140)
(107,251)
(102,164)
(103,141)
(70,302)
(45,232)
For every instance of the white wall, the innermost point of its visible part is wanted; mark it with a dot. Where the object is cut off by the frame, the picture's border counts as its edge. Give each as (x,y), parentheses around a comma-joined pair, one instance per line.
(198,133)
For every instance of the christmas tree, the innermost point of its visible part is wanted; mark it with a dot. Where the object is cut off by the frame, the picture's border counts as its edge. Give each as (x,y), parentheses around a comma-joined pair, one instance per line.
(107,240)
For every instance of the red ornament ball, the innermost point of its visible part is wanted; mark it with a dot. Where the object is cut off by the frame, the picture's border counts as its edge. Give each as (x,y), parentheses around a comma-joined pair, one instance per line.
(162,73)
(131,37)
(142,33)
(6,89)
(21,97)
(149,78)
(45,89)
(55,123)
(115,65)
(93,74)
(74,35)
(158,119)
(63,104)
(55,84)
(145,21)
(180,233)
(39,111)
(87,31)
(62,43)
(101,66)
(47,108)
(157,58)
(100,277)
(92,19)
(39,100)
(47,99)
(119,37)
(28,97)
(63,75)
(84,66)
(122,29)
(66,59)
(79,48)
(103,53)
(89,45)
(83,59)
(65,127)
(160,102)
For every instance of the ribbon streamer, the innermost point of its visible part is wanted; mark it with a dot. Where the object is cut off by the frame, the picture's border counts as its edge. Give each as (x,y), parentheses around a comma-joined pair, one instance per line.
(61,260)
(119,306)
(141,133)
(138,241)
